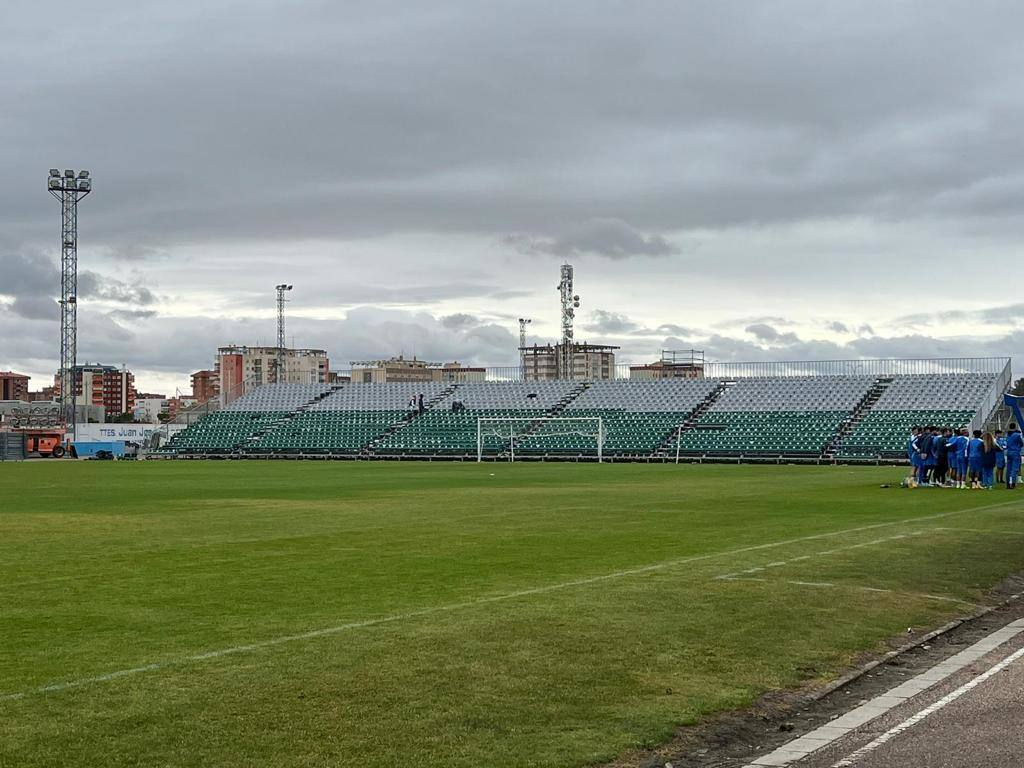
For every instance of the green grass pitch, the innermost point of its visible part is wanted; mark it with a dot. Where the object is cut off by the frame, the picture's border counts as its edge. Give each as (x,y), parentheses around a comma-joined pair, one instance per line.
(382,614)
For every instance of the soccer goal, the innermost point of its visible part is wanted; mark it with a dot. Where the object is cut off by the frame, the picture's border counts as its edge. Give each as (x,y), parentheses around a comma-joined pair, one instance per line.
(505,433)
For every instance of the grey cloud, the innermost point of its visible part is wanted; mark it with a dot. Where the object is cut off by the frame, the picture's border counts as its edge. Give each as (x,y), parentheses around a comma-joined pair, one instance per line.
(742,322)
(409,133)
(602,321)
(459,321)
(36,307)
(612,238)
(132,315)
(616,324)
(767,334)
(837,327)
(33,280)
(135,252)
(621,131)
(1009,314)
(28,273)
(675,330)
(397,294)
(96,286)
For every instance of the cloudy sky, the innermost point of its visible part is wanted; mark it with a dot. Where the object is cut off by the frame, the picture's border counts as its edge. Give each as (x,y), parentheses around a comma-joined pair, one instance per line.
(762,180)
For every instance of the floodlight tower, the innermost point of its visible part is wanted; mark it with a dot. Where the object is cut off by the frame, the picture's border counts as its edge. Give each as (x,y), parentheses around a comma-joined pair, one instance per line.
(68,190)
(523,322)
(570,303)
(280,329)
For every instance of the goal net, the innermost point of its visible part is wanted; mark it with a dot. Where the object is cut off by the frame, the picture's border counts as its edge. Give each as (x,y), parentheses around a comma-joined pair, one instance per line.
(538,435)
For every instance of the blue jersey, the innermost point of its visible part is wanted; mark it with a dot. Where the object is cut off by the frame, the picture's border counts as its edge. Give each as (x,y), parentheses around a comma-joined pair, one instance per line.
(1014,443)
(975,448)
(957,446)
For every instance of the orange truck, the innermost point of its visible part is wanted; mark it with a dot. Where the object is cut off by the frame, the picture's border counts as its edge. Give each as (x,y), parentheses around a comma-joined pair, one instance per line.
(44,443)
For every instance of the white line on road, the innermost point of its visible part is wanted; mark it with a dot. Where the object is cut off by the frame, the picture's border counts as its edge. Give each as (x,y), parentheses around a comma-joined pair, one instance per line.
(910,722)
(880,705)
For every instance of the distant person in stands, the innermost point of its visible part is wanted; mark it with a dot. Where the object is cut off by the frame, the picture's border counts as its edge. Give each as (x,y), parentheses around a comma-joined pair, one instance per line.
(419,404)
(939,448)
(1014,444)
(991,450)
(975,450)
(1001,457)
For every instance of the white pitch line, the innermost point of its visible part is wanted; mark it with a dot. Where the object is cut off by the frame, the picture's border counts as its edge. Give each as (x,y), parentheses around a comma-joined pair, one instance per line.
(860,588)
(981,530)
(823,553)
(910,722)
(326,631)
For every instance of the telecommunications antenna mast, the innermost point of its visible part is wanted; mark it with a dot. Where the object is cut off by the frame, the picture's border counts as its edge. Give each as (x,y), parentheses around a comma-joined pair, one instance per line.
(68,189)
(279,373)
(570,303)
(523,322)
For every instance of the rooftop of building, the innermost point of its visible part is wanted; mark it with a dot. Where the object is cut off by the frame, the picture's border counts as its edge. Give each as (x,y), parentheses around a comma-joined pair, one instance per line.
(579,346)
(243,349)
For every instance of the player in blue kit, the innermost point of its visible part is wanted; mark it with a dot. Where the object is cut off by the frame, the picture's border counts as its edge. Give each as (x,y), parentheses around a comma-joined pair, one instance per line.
(913,455)
(958,457)
(1014,445)
(1001,457)
(975,449)
(923,446)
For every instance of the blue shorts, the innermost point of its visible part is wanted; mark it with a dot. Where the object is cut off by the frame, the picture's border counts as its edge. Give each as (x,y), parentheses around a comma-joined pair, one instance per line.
(1000,460)
(975,463)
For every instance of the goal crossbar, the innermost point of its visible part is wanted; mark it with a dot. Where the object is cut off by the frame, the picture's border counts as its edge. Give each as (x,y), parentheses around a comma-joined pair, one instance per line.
(524,422)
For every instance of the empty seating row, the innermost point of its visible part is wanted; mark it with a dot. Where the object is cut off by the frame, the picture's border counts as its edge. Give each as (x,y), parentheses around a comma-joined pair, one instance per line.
(886,433)
(652,396)
(625,433)
(454,433)
(814,393)
(389,396)
(327,432)
(943,392)
(515,395)
(222,431)
(278,397)
(783,433)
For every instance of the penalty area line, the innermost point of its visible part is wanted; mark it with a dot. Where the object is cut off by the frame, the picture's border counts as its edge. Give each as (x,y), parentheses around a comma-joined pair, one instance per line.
(485,600)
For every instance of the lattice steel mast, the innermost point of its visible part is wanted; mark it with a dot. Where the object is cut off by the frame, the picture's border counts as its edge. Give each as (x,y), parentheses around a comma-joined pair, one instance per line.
(570,303)
(279,376)
(68,190)
(523,322)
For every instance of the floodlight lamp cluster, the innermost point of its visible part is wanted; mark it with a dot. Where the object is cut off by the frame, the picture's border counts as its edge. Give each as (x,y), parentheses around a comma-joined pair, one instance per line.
(69,181)
(283,287)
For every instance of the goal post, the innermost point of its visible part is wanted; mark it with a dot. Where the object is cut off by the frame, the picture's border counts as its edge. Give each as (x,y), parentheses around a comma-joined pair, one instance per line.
(511,429)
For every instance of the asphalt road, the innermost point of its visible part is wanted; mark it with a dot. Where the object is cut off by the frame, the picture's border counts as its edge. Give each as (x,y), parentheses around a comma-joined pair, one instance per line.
(956,715)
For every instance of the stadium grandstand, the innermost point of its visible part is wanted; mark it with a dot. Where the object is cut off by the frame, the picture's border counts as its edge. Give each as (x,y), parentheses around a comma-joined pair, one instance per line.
(854,410)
